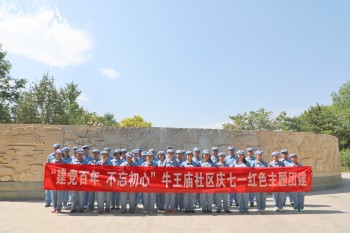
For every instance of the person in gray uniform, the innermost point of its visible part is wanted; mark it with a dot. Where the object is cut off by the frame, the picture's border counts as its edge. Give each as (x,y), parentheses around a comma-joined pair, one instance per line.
(170,197)
(179,197)
(261,196)
(197,158)
(103,197)
(207,198)
(57,195)
(286,161)
(222,198)
(78,197)
(94,161)
(251,159)
(189,198)
(230,159)
(50,157)
(161,196)
(117,161)
(149,199)
(126,197)
(278,197)
(242,198)
(298,197)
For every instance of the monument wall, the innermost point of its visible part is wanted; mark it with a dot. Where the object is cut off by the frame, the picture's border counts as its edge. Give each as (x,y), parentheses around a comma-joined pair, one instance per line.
(24,149)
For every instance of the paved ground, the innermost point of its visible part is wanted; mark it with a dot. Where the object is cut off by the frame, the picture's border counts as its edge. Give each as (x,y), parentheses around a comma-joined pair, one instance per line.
(325,211)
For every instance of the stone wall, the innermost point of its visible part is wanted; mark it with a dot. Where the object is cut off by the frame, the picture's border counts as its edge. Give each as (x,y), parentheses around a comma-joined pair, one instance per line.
(24,149)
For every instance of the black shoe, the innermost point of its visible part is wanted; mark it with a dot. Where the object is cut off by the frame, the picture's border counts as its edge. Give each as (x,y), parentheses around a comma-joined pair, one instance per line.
(47,205)
(113,208)
(117,208)
(209,212)
(73,211)
(193,212)
(218,211)
(187,211)
(237,204)
(81,211)
(228,211)
(251,204)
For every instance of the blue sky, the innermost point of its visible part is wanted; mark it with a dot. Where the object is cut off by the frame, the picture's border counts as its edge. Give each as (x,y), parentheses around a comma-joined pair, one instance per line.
(183,63)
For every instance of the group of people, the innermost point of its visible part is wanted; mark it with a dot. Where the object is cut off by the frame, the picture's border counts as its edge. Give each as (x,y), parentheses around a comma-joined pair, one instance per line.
(169,202)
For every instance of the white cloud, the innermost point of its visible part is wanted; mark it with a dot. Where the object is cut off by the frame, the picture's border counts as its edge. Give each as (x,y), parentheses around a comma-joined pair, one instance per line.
(110,73)
(40,33)
(83,97)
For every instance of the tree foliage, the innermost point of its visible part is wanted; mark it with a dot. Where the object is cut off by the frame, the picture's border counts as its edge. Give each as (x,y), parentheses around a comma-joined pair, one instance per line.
(254,120)
(10,90)
(333,119)
(341,105)
(319,119)
(136,121)
(345,159)
(287,123)
(94,119)
(43,103)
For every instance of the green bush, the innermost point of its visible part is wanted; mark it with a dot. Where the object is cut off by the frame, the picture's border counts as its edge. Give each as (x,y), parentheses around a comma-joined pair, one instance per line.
(345,160)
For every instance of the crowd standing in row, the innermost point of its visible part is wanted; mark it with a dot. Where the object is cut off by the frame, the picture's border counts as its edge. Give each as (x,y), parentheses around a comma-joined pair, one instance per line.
(169,202)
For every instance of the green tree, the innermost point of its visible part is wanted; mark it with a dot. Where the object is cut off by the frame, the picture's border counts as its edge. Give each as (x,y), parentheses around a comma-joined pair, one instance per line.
(319,119)
(5,114)
(10,90)
(27,110)
(108,119)
(286,123)
(341,105)
(73,113)
(41,104)
(333,119)
(254,120)
(341,98)
(345,159)
(94,119)
(136,121)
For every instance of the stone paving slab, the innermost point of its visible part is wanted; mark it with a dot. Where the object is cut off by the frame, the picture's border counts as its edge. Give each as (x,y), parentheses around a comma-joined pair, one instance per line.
(325,211)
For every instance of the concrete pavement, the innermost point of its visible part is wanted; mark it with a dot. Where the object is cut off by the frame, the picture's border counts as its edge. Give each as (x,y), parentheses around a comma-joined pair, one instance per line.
(325,211)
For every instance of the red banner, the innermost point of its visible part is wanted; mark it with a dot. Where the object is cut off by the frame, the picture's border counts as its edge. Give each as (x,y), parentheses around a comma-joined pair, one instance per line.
(176,180)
